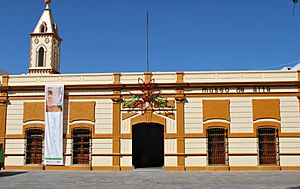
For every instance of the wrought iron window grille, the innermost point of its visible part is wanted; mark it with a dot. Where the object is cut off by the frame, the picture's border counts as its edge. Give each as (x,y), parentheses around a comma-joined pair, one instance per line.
(268,146)
(217,146)
(34,146)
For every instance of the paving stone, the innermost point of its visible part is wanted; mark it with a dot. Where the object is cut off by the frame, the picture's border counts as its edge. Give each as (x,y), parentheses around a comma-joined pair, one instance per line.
(152,179)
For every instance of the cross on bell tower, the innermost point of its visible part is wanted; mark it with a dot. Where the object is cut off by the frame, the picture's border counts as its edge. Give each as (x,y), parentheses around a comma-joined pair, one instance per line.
(45,45)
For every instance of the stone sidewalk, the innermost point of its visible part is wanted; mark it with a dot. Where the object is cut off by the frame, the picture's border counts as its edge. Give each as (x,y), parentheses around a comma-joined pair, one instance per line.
(150,178)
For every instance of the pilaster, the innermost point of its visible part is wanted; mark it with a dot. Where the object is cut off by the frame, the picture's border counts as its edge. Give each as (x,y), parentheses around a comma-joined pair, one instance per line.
(180,123)
(116,129)
(3,115)
(147,77)
(298,74)
(3,108)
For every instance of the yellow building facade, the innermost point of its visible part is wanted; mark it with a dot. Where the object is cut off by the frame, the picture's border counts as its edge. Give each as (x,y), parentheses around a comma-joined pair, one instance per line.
(233,120)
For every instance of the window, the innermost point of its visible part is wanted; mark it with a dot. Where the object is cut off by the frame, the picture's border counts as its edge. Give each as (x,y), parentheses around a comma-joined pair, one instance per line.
(41,57)
(34,146)
(81,146)
(43,28)
(216,140)
(267,141)
(56,58)
(55,27)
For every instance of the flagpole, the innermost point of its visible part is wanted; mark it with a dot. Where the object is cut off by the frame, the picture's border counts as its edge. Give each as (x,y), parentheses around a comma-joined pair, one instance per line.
(147,41)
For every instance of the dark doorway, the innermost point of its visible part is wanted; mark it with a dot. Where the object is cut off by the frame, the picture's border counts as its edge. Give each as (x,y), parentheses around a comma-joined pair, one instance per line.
(147,145)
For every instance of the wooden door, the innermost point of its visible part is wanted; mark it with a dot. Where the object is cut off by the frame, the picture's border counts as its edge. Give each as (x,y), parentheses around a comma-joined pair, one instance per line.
(267,146)
(34,148)
(81,146)
(216,146)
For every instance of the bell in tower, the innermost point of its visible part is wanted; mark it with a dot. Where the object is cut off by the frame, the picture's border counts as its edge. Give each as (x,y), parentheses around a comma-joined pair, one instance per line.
(45,45)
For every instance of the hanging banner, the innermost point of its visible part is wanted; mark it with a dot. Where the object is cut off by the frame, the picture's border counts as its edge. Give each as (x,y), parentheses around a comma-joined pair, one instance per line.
(54,101)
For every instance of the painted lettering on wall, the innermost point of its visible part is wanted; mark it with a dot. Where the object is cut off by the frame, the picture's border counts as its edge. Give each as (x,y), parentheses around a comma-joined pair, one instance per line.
(216,90)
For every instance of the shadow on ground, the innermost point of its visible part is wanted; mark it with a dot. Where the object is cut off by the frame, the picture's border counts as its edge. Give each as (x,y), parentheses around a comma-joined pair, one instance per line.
(7,174)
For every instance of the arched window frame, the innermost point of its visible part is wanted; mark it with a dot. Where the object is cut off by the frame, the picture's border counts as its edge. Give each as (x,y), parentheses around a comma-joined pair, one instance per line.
(56,58)
(38,56)
(43,28)
(225,142)
(90,132)
(38,159)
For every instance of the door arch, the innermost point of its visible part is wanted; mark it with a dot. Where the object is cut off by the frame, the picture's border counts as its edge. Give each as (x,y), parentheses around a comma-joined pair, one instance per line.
(147,145)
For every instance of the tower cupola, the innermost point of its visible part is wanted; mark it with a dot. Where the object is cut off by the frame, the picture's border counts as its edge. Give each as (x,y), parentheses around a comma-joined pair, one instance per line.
(45,45)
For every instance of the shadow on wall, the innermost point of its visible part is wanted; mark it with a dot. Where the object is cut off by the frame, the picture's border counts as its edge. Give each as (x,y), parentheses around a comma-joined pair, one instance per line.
(7,174)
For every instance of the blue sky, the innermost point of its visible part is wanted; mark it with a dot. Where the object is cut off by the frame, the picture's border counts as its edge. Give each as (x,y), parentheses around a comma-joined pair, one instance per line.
(185,35)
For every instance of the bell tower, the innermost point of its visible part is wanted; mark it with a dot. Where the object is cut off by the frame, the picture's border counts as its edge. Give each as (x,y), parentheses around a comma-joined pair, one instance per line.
(45,45)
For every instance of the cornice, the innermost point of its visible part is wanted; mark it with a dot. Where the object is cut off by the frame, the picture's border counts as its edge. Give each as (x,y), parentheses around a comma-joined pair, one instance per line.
(164,85)
(47,34)
(42,71)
